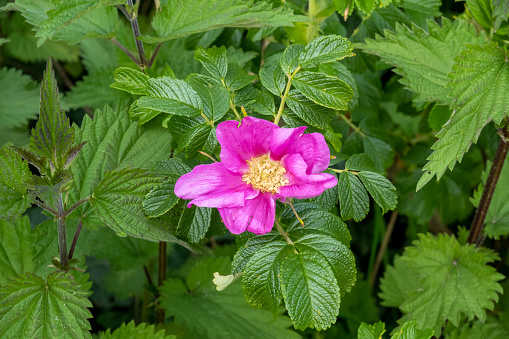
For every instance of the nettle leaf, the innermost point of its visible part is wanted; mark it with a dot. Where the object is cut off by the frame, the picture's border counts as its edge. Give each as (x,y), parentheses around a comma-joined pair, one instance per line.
(381,189)
(313,114)
(289,60)
(131,80)
(142,331)
(353,198)
(324,49)
(374,331)
(477,78)
(500,12)
(324,90)
(19,98)
(16,248)
(214,59)
(453,281)
(310,289)
(430,7)
(170,95)
(424,59)
(197,16)
(52,307)
(15,180)
(273,78)
(218,314)
(194,223)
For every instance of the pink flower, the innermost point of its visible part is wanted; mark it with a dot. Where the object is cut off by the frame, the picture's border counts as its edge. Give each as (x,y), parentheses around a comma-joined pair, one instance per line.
(260,162)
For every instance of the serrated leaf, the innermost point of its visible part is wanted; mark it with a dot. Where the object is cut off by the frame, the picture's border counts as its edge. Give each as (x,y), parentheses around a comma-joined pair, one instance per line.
(381,189)
(142,331)
(215,97)
(218,314)
(194,223)
(33,307)
(130,80)
(315,115)
(237,77)
(360,162)
(438,116)
(476,82)
(324,49)
(142,115)
(19,98)
(353,198)
(251,246)
(324,90)
(15,180)
(160,199)
(379,151)
(374,331)
(424,59)
(260,280)
(273,78)
(197,16)
(16,248)
(214,60)
(172,96)
(410,330)
(289,60)
(310,289)
(500,12)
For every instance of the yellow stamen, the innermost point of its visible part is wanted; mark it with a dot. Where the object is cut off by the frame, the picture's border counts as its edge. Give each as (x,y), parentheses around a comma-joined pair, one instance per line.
(265,174)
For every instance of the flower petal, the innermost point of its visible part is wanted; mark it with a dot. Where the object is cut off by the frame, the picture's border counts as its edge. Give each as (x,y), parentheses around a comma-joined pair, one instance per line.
(214,186)
(257,215)
(239,144)
(312,147)
(303,185)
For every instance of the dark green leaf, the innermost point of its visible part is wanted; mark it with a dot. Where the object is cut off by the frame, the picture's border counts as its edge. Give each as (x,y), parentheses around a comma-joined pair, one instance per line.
(237,77)
(160,199)
(324,90)
(290,59)
(273,79)
(360,162)
(247,250)
(315,115)
(194,223)
(325,48)
(214,60)
(353,198)
(142,331)
(381,189)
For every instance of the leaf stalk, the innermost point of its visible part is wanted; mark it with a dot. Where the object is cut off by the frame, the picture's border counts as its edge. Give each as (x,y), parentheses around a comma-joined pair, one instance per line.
(285,94)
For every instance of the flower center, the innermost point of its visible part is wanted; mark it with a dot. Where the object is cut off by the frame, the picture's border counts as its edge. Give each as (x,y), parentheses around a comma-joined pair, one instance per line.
(265,174)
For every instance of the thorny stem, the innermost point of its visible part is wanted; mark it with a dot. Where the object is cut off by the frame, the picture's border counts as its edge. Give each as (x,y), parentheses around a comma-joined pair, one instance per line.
(383,248)
(75,240)
(474,236)
(62,239)
(161,315)
(283,98)
(283,233)
(349,122)
(136,34)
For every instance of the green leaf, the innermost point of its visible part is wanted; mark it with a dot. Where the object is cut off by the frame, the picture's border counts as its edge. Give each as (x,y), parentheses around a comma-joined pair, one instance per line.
(353,198)
(273,79)
(130,80)
(142,331)
(324,90)
(475,82)
(438,116)
(260,280)
(324,49)
(289,60)
(33,307)
(194,223)
(360,162)
(16,248)
(237,77)
(313,114)
(213,314)
(378,150)
(15,180)
(374,331)
(197,16)
(310,289)
(424,59)
(500,12)
(215,97)
(19,98)
(142,115)
(251,246)
(172,96)
(398,283)
(491,329)
(454,281)
(160,199)
(381,189)
(214,60)
(410,330)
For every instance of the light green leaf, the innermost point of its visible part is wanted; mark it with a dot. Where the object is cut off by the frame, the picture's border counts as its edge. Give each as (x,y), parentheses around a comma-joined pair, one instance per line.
(142,331)
(424,59)
(214,60)
(172,96)
(410,330)
(142,115)
(19,98)
(430,7)
(381,189)
(237,77)
(16,248)
(310,289)
(500,12)
(324,90)
(130,80)
(374,331)
(476,82)
(15,180)
(353,198)
(32,307)
(398,283)
(197,16)
(324,49)
(194,223)
(289,60)
(315,115)
(260,280)
(273,78)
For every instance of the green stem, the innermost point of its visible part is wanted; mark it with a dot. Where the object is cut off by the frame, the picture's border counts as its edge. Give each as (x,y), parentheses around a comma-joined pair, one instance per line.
(136,33)
(62,238)
(283,233)
(344,170)
(285,94)
(349,122)
(76,204)
(206,119)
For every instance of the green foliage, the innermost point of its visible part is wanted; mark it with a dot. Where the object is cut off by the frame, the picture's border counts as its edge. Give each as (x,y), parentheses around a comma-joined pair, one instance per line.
(131,80)
(54,307)
(194,223)
(214,60)
(324,90)
(325,49)
(142,331)
(452,281)
(374,331)
(197,16)
(491,329)
(478,74)
(500,12)
(214,314)
(408,331)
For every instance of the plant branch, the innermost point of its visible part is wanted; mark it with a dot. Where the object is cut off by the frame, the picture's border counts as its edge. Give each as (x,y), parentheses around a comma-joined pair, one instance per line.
(349,122)
(62,238)
(153,58)
(283,97)
(75,239)
(474,237)
(46,207)
(136,33)
(283,233)
(147,274)
(126,51)
(76,204)
(383,248)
